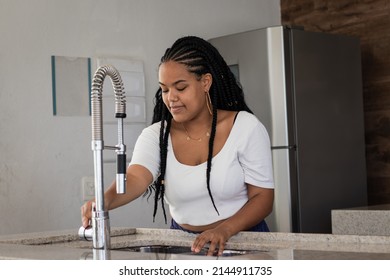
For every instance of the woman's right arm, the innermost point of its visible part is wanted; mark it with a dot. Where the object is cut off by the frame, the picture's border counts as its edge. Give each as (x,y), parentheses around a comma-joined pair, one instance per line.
(138,179)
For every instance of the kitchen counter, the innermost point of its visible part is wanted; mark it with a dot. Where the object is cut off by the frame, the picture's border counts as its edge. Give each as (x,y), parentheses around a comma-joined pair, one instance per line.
(369,220)
(67,246)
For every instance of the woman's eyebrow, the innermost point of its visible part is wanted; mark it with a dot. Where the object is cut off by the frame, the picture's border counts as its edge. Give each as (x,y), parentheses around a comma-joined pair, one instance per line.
(173,84)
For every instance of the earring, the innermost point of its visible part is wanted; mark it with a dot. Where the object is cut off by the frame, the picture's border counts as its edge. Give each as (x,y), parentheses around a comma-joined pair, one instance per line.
(208,103)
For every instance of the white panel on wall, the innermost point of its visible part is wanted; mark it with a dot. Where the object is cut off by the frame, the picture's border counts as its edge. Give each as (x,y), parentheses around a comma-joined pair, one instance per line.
(133,78)
(135,109)
(134,83)
(131,133)
(132,74)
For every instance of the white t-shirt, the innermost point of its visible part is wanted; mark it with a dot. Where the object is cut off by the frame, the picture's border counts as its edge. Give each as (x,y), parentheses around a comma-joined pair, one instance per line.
(245,158)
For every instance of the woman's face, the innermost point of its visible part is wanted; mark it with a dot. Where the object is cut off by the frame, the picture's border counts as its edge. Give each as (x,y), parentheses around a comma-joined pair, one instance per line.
(183,92)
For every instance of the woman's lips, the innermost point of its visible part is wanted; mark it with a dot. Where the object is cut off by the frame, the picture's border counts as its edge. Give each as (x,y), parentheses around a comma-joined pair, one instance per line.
(176,109)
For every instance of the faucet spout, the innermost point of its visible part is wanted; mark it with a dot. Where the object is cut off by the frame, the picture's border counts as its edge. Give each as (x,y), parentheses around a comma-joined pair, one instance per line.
(100,218)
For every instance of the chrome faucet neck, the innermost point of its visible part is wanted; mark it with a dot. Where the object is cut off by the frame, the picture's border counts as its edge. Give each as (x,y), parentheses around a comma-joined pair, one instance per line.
(100,218)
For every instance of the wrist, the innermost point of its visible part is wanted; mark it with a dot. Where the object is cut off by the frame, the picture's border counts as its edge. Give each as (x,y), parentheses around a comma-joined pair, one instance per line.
(228,229)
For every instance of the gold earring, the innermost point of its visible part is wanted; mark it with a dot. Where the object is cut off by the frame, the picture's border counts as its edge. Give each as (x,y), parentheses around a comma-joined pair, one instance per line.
(208,103)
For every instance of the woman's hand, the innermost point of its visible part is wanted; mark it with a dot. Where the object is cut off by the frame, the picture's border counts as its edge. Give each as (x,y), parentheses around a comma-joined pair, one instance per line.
(138,177)
(86,213)
(216,238)
(259,205)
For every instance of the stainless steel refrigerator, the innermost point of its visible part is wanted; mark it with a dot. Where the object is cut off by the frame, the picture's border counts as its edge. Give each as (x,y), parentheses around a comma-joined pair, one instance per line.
(306,88)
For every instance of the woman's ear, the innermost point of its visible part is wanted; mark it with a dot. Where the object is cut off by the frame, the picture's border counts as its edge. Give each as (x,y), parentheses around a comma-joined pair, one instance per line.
(207,81)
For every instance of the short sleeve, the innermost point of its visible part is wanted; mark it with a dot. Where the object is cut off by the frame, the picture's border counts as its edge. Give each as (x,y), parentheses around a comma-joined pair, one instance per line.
(255,154)
(147,150)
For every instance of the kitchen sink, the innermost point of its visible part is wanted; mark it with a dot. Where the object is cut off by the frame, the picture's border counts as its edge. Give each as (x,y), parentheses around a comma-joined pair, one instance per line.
(185,250)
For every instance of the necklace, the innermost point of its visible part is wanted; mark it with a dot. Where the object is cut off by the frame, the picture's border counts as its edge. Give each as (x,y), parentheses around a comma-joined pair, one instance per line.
(194,139)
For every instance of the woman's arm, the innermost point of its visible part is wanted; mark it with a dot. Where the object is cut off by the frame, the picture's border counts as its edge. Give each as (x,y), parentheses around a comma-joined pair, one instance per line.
(258,206)
(138,178)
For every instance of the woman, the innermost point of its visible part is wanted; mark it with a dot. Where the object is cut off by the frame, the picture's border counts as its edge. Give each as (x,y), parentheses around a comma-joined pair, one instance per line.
(205,153)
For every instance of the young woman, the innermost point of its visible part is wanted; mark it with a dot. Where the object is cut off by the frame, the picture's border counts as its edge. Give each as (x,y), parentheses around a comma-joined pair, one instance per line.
(205,153)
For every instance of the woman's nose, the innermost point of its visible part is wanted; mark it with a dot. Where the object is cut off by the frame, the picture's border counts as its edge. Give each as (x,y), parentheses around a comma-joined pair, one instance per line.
(172,95)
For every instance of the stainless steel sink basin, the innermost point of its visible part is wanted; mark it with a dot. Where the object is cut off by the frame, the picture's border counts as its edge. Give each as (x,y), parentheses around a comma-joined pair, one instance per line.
(184,250)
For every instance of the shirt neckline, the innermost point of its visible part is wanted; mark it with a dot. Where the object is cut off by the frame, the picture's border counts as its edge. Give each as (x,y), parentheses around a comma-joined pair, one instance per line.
(214,157)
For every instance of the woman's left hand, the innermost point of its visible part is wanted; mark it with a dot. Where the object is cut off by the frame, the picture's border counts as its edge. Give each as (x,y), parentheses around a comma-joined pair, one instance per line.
(216,238)
(258,206)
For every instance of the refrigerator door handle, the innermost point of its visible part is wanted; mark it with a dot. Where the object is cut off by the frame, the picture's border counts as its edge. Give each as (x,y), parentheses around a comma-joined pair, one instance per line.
(290,147)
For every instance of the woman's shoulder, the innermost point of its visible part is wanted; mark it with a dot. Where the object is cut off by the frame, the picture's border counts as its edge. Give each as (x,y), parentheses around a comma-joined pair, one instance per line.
(247,118)
(246,115)
(154,126)
(239,118)
(153,129)
(248,124)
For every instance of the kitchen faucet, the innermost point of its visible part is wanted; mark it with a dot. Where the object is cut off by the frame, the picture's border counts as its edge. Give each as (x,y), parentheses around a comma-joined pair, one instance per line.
(100,231)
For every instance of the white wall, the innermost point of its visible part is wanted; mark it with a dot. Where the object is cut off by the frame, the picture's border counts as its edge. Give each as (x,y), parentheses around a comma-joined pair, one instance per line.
(42,157)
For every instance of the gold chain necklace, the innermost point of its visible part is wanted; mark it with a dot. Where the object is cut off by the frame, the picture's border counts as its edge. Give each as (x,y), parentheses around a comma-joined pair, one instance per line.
(194,139)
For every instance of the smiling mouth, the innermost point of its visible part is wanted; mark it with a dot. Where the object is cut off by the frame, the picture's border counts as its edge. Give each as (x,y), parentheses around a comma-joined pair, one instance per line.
(176,109)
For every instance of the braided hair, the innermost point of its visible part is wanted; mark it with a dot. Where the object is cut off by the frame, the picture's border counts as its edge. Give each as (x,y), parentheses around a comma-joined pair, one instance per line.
(199,57)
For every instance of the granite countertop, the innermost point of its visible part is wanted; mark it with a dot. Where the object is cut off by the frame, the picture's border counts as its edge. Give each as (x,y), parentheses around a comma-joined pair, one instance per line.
(367,220)
(66,245)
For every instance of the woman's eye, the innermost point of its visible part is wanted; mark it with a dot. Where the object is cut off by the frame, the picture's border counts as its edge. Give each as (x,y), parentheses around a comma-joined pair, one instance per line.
(164,90)
(181,89)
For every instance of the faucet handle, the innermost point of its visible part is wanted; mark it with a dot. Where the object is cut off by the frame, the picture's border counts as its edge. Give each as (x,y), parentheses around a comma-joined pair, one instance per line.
(86,233)
(121,173)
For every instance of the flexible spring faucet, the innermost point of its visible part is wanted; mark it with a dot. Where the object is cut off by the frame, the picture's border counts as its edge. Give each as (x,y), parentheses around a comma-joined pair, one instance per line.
(100,218)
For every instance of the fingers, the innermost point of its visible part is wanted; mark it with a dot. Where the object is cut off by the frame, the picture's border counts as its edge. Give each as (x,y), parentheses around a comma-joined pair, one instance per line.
(216,243)
(199,242)
(216,248)
(86,215)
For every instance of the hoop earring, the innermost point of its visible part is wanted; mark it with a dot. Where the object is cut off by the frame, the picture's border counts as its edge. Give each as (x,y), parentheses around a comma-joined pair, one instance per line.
(208,103)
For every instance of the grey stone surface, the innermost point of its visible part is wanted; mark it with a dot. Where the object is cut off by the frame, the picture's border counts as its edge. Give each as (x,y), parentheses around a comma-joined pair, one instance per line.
(370,220)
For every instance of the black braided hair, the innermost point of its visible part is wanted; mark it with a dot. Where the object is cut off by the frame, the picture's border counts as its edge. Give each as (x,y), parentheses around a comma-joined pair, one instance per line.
(199,57)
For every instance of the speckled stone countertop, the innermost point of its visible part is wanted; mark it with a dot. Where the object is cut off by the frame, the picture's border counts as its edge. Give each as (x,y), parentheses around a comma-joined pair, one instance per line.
(66,245)
(370,220)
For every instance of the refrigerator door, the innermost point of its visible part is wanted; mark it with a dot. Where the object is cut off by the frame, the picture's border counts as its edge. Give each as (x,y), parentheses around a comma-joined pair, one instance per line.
(326,91)
(283,146)
(281,217)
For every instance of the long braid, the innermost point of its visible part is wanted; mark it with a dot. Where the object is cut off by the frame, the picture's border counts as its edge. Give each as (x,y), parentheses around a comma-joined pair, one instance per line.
(199,57)
(162,114)
(210,155)
(160,190)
